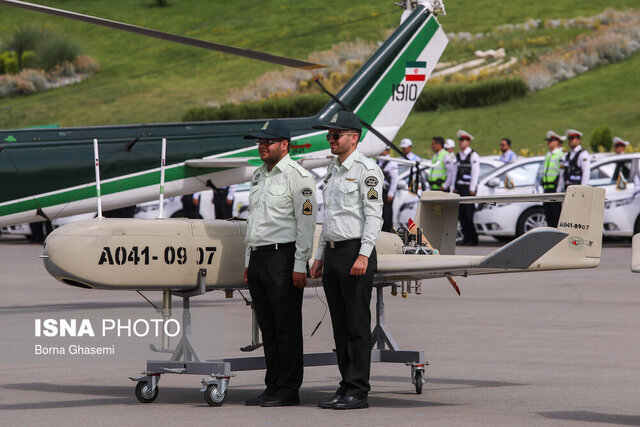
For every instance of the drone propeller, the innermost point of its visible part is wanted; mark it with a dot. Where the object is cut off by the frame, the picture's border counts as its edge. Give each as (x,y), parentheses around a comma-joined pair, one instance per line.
(247,53)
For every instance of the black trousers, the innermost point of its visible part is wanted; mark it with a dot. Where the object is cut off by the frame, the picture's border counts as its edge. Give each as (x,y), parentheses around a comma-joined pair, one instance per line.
(465,216)
(222,209)
(387,212)
(278,306)
(349,298)
(552,211)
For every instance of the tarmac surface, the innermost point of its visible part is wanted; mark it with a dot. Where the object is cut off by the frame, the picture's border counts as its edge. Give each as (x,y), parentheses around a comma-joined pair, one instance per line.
(544,348)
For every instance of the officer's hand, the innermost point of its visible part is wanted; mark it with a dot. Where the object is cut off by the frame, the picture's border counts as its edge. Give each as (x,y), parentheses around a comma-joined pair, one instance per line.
(316,269)
(245,276)
(472,193)
(389,199)
(360,266)
(299,280)
(229,202)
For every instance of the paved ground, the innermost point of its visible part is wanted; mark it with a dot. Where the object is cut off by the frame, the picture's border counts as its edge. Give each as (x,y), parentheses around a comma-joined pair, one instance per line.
(538,349)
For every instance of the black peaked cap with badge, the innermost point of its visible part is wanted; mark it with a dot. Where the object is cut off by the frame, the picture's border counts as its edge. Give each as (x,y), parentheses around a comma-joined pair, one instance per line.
(342,120)
(272,129)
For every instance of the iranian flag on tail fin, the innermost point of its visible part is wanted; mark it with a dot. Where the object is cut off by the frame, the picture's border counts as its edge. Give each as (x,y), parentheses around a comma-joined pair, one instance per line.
(416,71)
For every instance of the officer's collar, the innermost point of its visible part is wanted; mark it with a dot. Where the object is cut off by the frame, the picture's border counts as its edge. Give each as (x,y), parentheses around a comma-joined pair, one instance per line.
(348,161)
(281,165)
(578,148)
(467,150)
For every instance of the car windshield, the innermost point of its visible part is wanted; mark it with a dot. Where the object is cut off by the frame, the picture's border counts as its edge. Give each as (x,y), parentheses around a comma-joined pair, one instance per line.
(519,176)
(485,168)
(607,173)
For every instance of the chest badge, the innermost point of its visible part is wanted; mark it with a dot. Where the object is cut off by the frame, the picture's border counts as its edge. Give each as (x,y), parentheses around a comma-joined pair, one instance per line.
(327,178)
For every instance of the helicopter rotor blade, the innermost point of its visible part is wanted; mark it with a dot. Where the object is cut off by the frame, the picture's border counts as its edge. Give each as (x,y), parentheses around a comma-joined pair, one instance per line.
(246,53)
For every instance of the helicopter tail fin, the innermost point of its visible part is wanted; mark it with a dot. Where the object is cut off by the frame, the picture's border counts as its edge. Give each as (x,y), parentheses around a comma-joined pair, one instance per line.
(385,89)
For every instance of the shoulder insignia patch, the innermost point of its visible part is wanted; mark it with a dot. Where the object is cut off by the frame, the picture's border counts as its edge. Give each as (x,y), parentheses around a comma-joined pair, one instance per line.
(372,194)
(327,178)
(307,192)
(307,208)
(371,181)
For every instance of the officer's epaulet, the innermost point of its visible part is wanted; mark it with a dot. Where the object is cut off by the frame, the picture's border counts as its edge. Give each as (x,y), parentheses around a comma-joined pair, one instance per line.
(303,172)
(367,162)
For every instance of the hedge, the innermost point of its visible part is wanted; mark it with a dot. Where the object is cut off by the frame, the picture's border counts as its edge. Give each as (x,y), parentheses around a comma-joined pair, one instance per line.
(468,95)
(471,95)
(296,106)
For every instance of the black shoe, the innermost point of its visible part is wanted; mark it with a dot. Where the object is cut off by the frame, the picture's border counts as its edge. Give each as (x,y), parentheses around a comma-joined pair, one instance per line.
(256,401)
(462,243)
(351,402)
(328,404)
(273,401)
(472,243)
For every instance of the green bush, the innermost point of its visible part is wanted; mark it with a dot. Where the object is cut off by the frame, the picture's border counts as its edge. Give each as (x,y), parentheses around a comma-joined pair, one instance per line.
(601,137)
(471,95)
(297,106)
(56,49)
(11,65)
(47,48)
(25,38)
(28,59)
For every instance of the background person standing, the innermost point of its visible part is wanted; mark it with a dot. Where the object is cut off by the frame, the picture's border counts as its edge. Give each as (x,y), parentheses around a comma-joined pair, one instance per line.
(279,243)
(551,176)
(346,256)
(507,155)
(450,147)
(576,162)
(390,172)
(442,165)
(467,175)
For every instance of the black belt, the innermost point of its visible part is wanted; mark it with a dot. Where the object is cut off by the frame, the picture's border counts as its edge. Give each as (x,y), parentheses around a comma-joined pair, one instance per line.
(343,243)
(274,247)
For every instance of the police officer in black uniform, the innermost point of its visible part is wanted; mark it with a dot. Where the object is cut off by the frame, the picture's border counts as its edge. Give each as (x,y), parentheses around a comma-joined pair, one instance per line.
(467,175)
(279,243)
(346,256)
(390,172)
(576,162)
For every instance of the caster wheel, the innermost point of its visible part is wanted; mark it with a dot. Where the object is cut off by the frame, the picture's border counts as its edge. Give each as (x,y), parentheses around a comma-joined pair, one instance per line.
(419,381)
(213,397)
(144,393)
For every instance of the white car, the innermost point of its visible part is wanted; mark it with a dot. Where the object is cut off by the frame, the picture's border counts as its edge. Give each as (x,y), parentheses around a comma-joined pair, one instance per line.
(405,203)
(506,221)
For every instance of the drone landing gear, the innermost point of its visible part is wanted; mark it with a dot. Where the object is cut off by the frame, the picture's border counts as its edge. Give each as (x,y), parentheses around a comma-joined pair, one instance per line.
(186,360)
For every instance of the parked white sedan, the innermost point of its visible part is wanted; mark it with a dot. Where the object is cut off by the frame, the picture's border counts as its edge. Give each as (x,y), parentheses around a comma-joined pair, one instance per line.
(506,221)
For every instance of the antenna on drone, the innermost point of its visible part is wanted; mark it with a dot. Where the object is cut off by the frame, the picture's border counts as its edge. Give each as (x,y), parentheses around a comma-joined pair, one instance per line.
(98,194)
(162,164)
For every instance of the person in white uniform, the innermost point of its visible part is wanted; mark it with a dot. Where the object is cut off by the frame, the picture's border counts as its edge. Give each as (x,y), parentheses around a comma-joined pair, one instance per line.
(279,243)
(346,256)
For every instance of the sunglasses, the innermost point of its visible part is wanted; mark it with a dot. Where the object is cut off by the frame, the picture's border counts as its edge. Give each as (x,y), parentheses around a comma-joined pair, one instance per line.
(337,135)
(464,139)
(574,137)
(268,141)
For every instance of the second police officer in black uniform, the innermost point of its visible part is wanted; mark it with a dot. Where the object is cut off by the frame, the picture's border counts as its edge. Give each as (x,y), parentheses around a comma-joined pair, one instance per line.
(467,175)
(346,256)
(576,162)
(279,244)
